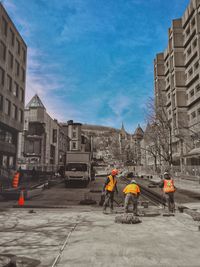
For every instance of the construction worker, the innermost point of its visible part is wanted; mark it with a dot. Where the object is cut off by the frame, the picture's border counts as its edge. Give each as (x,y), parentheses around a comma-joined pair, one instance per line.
(168,188)
(132,192)
(109,188)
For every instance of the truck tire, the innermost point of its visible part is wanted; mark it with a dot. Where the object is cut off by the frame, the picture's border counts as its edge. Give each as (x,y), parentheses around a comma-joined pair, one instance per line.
(85,184)
(66,184)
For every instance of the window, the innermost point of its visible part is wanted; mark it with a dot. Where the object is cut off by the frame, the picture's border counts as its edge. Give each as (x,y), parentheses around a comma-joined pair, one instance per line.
(7,107)
(196,65)
(9,83)
(21,116)
(168,96)
(22,75)
(18,46)
(192,93)
(74,134)
(189,51)
(198,111)
(10,60)
(16,90)
(22,95)
(190,72)
(2,76)
(15,112)
(24,55)
(197,88)
(194,43)
(11,37)
(193,22)
(74,145)
(1,103)
(16,68)
(2,51)
(54,136)
(187,31)
(4,26)
(193,114)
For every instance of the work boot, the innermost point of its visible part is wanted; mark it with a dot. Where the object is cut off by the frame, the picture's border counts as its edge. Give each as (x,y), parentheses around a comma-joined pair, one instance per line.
(111,211)
(104,210)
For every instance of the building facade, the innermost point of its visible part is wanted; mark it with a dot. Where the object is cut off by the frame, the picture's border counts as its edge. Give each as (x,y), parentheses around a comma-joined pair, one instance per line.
(177,86)
(43,142)
(13,53)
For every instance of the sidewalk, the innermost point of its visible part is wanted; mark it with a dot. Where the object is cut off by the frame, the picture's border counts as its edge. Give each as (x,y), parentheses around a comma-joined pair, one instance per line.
(97,240)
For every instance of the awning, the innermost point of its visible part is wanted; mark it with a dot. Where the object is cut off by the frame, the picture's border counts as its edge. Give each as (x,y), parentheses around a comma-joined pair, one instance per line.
(194,152)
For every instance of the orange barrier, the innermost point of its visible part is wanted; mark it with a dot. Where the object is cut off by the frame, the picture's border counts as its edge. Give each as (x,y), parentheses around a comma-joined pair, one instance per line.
(15,182)
(21,198)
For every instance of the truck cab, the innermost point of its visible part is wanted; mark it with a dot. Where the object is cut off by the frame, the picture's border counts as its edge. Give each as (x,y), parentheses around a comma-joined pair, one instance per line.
(77,171)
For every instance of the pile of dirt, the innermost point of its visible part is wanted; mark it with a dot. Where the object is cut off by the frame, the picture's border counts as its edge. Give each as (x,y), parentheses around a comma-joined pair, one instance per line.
(127,219)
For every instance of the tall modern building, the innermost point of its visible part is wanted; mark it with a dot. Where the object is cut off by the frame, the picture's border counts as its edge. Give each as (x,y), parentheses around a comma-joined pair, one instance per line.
(13,51)
(177,85)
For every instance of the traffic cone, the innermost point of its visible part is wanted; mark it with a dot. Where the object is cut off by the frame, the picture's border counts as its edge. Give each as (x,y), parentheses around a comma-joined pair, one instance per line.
(21,198)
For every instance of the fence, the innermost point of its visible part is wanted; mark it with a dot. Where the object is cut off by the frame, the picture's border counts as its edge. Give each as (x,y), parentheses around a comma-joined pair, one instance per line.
(184,171)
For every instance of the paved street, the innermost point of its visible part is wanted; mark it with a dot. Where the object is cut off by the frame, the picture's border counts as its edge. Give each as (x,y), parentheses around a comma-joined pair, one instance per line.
(78,235)
(97,240)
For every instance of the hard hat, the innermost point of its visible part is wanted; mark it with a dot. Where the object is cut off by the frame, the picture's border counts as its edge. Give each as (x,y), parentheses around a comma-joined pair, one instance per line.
(166,173)
(133,181)
(114,172)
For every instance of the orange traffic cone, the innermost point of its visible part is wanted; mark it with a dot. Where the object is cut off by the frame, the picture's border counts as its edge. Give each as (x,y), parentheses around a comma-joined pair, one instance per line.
(21,198)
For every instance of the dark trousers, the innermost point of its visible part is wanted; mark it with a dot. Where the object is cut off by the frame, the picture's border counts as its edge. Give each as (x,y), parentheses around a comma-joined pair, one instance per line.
(170,200)
(109,198)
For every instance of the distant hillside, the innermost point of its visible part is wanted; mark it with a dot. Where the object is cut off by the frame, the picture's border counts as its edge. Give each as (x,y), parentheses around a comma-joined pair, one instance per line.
(88,127)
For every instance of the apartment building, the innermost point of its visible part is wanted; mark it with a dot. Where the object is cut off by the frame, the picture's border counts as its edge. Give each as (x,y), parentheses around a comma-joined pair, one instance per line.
(177,85)
(13,53)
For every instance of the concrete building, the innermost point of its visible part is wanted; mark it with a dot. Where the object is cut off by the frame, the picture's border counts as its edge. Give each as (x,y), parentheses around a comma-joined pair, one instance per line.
(13,52)
(43,142)
(177,85)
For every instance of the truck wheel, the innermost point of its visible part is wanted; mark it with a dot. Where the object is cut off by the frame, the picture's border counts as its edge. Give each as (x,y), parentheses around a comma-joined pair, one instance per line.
(66,184)
(85,183)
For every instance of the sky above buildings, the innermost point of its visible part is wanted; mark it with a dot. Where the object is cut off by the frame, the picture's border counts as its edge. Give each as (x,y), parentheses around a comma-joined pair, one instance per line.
(92,60)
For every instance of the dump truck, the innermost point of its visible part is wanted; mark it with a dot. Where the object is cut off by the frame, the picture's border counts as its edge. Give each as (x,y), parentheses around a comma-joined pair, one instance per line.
(78,168)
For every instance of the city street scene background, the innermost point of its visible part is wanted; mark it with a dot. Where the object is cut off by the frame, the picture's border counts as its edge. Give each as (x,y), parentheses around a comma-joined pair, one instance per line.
(91,91)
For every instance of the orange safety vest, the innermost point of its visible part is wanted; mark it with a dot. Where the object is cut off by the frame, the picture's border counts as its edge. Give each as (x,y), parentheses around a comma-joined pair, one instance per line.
(15,181)
(112,183)
(131,188)
(168,186)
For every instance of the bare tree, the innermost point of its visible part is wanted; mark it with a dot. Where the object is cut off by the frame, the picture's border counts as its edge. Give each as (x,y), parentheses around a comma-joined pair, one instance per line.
(160,135)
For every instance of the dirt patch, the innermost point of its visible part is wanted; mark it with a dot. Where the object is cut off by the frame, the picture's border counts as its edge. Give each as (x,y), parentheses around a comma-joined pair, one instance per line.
(12,260)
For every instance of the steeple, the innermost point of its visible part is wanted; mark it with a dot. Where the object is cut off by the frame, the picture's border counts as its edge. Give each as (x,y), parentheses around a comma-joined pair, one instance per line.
(35,102)
(139,133)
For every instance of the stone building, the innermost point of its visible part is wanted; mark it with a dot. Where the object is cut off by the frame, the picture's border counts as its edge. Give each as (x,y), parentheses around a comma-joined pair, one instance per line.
(177,85)
(43,142)
(13,52)
(137,138)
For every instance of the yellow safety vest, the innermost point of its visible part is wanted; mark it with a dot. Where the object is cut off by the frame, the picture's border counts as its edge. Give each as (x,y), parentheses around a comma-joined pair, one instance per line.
(112,183)
(168,186)
(131,188)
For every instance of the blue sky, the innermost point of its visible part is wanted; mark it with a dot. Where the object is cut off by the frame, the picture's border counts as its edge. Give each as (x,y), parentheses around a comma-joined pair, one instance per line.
(92,60)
